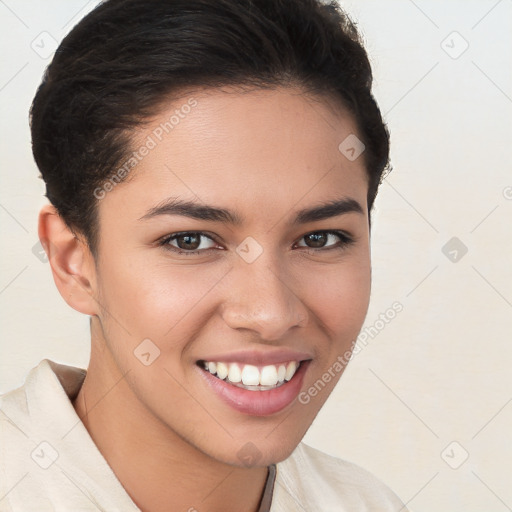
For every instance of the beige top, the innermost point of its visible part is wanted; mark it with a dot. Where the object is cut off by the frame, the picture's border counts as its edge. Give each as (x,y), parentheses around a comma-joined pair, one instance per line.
(48,461)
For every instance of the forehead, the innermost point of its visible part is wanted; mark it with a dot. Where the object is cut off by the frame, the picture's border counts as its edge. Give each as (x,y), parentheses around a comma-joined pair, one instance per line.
(257,149)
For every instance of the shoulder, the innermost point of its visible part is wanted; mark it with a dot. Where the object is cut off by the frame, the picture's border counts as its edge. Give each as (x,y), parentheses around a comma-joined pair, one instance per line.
(28,452)
(316,479)
(46,455)
(46,391)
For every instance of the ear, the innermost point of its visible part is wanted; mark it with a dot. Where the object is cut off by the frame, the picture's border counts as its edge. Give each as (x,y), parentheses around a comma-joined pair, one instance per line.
(71,261)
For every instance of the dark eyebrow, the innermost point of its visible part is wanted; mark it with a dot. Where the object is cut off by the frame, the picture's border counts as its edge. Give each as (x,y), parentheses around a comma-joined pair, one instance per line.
(176,206)
(327,210)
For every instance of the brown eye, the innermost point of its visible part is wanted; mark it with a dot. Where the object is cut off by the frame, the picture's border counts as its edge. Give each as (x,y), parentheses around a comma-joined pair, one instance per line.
(316,239)
(189,241)
(319,240)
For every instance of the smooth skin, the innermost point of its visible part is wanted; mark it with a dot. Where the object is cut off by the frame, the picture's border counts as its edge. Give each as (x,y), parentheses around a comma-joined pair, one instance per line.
(264,154)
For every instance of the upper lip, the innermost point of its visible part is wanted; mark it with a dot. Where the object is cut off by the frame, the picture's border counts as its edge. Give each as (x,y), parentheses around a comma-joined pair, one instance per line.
(259,358)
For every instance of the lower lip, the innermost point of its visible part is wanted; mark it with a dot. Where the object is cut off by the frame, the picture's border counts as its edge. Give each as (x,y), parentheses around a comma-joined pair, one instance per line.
(258,403)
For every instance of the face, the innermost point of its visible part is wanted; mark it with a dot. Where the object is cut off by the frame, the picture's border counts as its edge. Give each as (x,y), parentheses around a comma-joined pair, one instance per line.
(229,293)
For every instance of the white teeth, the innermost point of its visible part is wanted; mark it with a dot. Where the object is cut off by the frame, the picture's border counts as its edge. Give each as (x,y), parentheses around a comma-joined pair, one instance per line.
(269,376)
(222,371)
(250,375)
(234,375)
(290,370)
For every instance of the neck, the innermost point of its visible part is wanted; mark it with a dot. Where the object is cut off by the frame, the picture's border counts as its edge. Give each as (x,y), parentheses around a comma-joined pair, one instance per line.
(156,466)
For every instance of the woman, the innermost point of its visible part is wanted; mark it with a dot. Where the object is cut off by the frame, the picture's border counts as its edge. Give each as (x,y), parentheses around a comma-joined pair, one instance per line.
(211,168)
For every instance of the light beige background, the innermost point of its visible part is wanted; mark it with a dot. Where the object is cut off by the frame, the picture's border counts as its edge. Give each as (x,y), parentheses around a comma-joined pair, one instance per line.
(438,373)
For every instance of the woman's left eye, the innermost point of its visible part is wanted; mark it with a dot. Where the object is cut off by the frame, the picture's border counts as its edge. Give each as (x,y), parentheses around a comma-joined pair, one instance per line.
(190,243)
(319,240)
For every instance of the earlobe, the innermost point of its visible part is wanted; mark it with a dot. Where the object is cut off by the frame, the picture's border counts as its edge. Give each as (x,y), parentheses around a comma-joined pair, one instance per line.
(70,259)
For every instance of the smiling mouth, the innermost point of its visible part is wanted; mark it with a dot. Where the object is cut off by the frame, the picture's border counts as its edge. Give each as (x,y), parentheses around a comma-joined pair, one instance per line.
(250,377)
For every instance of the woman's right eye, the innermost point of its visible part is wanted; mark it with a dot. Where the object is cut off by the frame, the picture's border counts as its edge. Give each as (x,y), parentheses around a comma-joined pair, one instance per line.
(188,243)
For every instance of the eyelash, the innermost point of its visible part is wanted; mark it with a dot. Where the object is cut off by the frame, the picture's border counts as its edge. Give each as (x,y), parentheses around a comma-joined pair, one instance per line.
(345,241)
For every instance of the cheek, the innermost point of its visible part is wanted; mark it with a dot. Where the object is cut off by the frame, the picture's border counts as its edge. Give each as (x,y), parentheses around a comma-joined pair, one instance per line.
(153,300)
(339,300)
(340,297)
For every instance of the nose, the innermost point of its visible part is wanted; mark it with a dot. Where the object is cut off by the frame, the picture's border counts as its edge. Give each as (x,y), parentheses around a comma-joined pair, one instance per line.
(263,299)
